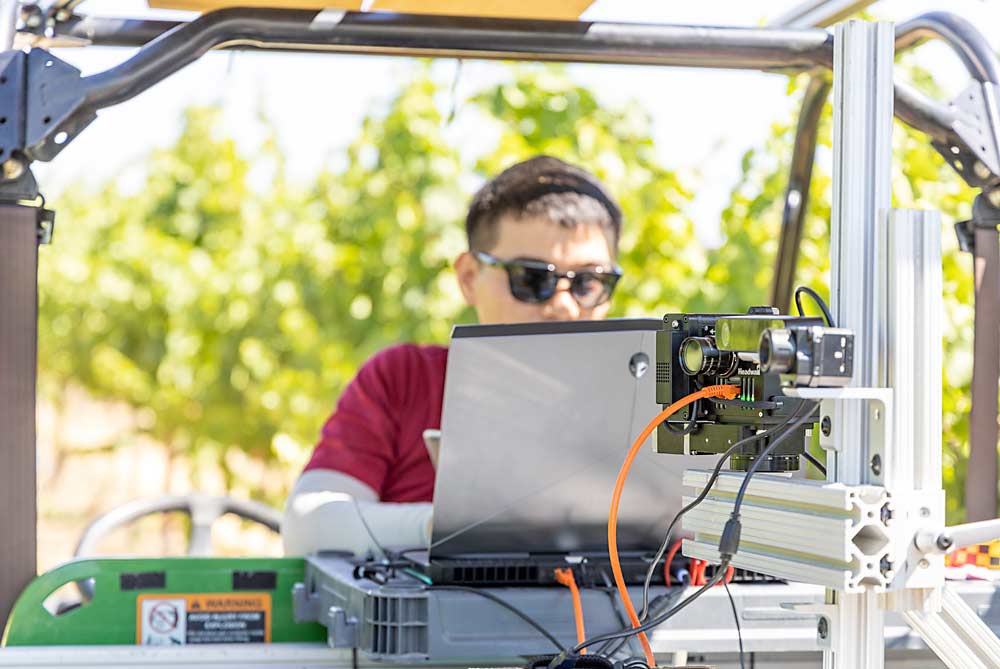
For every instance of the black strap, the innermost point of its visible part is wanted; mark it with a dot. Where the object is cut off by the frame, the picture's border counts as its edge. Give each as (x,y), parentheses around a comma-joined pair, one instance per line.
(981,473)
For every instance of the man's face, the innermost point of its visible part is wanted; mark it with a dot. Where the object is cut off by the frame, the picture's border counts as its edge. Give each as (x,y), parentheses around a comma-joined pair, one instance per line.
(486,287)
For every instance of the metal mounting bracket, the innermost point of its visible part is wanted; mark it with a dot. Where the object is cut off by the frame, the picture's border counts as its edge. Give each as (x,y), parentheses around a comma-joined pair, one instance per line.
(977,123)
(42,108)
(17,183)
(56,110)
(880,413)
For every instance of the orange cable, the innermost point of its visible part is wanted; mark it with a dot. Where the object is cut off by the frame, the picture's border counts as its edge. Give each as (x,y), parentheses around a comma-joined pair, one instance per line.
(697,569)
(565,577)
(670,558)
(728,392)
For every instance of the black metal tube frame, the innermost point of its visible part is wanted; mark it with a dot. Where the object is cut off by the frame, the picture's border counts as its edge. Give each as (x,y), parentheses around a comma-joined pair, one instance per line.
(168,46)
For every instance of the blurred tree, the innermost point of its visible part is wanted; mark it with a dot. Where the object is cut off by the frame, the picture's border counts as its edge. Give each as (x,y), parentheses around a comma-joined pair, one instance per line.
(231,316)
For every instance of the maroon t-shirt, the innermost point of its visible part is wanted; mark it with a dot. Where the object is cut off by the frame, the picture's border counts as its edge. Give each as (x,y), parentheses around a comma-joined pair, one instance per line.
(376,432)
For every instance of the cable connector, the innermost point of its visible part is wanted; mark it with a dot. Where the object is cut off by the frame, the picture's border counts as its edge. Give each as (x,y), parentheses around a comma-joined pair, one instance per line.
(570,660)
(565,577)
(729,543)
(726,391)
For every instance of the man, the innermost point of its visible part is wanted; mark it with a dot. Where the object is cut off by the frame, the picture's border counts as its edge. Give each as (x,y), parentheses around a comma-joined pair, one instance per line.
(543,237)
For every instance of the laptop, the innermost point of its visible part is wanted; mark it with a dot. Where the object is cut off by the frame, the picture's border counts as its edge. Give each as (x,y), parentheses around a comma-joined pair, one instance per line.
(536,421)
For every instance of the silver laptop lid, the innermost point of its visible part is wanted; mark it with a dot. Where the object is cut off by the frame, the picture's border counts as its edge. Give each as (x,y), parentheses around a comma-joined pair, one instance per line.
(536,421)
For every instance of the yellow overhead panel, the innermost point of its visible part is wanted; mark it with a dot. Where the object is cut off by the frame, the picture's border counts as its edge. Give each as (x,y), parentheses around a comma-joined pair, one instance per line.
(512,9)
(212,5)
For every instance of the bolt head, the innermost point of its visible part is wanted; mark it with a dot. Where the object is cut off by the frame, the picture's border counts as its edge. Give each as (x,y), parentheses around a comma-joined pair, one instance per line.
(876,464)
(981,170)
(13,169)
(826,426)
(993,196)
(675,324)
(823,627)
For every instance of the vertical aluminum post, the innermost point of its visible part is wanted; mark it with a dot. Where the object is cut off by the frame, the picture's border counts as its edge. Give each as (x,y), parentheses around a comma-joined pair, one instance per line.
(18,337)
(914,313)
(862,148)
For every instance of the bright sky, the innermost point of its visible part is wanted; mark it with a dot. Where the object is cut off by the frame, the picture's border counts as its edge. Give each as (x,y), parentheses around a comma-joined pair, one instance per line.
(703,119)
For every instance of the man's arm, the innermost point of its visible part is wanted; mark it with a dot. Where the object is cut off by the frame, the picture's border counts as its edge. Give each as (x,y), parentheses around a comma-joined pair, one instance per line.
(328,510)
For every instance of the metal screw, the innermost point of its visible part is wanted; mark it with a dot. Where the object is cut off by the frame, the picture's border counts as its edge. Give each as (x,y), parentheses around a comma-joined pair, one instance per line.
(674,324)
(981,170)
(826,425)
(878,414)
(994,197)
(823,628)
(925,512)
(923,564)
(13,169)
(885,566)
(944,542)
(885,515)
(876,464)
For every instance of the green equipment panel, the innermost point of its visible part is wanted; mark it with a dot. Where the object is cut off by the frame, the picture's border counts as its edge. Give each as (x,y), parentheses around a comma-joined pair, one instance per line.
(164,601)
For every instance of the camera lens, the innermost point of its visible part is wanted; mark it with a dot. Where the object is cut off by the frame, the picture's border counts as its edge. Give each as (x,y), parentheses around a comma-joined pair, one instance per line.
(692,354)
(777,351)
(699,355)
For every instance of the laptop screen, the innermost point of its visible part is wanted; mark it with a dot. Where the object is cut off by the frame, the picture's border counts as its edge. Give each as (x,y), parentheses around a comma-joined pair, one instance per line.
(536,421)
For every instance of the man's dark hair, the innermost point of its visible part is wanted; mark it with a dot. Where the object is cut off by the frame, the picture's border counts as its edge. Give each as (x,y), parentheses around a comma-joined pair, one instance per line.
(546,187)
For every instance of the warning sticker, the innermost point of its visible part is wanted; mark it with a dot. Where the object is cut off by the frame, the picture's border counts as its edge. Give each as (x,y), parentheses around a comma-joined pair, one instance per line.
(168,620)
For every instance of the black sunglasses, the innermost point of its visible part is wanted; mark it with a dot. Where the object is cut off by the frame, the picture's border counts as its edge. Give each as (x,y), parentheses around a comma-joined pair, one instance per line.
(535,281)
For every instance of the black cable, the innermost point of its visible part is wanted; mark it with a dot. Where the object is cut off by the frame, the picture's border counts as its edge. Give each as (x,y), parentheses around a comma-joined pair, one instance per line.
(814,462)
(820,302)
(755,465)
(510,607)
(619,614)
(659,604)
(658,620)
(729,542)
(736,619)
(689,427)
(698,500)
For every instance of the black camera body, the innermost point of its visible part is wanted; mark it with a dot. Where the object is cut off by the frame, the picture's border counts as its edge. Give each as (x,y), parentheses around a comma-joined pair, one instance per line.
(694,351)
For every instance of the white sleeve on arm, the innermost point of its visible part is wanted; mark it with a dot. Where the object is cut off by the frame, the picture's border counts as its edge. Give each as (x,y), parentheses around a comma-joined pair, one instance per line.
(323,514)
